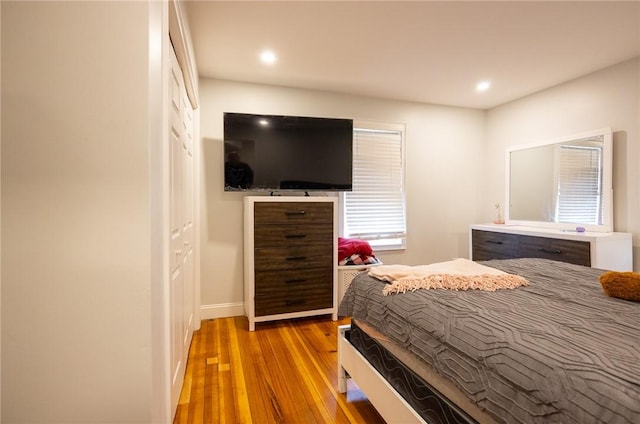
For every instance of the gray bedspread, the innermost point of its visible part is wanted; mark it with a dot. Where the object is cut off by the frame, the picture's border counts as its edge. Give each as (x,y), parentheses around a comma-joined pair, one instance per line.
(556,351)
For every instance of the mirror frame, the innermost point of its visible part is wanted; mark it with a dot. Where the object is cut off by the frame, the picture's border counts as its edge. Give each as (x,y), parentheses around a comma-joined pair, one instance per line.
(607,184)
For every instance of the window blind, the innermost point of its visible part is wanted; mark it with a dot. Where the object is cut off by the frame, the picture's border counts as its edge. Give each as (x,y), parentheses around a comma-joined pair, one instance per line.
(374,210)
(580,185)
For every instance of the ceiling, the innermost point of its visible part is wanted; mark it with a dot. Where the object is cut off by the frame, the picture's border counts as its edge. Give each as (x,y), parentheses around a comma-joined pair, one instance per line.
(431,52)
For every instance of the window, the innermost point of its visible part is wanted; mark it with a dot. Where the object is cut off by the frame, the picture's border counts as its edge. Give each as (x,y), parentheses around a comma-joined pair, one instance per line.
(579,185)
(375,209)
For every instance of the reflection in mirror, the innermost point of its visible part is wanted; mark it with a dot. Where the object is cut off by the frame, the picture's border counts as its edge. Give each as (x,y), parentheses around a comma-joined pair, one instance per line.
(562,183)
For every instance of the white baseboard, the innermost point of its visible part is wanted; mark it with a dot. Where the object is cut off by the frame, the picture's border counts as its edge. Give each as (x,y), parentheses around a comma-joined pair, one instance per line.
(222,310)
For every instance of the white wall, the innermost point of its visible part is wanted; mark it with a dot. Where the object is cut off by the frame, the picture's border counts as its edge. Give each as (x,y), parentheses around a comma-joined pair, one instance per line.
(608,98)
(76,302)
(444,154)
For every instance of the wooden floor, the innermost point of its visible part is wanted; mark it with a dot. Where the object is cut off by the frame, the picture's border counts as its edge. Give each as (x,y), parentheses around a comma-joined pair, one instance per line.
(284,372)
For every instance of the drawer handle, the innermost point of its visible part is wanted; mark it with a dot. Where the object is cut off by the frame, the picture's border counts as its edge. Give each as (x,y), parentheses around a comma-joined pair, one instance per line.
(295,236)
(293,213)
(493,242)
(295,280)
(293,302)
(296,258)
(554,251)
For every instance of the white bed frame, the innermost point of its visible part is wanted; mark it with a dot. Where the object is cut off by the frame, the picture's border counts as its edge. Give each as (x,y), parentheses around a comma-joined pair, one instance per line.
(387,401)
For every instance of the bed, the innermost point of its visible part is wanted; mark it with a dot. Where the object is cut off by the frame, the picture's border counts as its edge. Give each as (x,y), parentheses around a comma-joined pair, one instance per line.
(557,350)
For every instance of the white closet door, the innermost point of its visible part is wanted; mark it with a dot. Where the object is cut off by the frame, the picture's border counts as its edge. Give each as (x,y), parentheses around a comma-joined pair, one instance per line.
(182,273)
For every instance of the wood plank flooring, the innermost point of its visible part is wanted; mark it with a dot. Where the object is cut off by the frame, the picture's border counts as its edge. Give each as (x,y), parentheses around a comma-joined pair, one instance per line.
(284,372)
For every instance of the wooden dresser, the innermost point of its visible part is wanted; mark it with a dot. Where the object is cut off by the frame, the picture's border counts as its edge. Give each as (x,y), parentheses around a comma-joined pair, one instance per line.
(290,257)
(612,251)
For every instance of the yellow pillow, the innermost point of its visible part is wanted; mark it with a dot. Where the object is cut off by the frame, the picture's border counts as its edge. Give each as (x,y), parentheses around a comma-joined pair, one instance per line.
(623,285)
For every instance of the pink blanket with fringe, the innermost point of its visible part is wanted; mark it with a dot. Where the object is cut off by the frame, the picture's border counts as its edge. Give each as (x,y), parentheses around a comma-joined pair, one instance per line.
(457,274)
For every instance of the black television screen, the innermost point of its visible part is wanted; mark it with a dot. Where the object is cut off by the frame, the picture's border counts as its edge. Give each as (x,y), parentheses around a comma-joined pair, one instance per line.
(274,153)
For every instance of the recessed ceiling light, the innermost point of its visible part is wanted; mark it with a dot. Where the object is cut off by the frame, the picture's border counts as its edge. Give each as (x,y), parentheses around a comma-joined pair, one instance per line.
(483,86)
(268,57)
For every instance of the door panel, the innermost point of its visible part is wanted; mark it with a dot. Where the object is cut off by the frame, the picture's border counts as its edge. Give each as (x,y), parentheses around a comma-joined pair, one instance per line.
(181,264)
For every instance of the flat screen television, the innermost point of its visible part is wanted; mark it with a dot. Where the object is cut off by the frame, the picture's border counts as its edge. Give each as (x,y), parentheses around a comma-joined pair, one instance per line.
(287,153)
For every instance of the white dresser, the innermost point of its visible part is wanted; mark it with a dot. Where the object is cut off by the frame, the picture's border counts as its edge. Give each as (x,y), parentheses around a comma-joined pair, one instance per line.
(290,252)
(610,251)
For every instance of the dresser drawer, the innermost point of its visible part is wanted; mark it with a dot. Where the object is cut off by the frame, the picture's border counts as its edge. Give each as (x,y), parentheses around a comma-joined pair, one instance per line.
(293,213)
(286,281)
(571,251)
(292,235)
(493,245)
(294,257)
(294,301)
(486,255)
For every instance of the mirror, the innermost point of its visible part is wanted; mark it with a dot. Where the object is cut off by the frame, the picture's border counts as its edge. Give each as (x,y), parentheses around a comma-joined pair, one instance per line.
(562,183)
